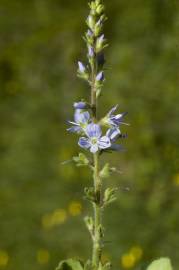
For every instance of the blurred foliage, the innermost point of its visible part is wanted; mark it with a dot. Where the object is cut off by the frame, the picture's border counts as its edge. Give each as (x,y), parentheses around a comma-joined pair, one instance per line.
(41,200)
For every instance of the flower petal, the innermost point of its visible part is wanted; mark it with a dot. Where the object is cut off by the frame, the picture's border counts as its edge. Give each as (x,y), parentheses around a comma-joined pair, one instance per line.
(94,148)
(84,142)
(81,117)
(74,129)
(113,110)
(113,133)
(93,130)
(104,142)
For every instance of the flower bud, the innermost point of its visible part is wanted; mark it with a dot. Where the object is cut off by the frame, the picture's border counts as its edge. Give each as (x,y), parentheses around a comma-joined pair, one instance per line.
(89,37)
(90,51)
(90,22)
(100,59)
(97,2)
(82,73)
(98,27)
(81,67)
(99,9)
(100,43)
(100,77)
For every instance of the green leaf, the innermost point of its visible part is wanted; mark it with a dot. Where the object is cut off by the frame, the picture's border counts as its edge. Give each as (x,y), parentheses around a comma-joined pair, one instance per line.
(105,172)
(81,160)
(109,196)
(70,264)
(89,224)
(160,264)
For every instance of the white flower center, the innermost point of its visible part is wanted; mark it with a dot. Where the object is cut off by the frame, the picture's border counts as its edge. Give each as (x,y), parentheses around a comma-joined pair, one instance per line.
(94,140)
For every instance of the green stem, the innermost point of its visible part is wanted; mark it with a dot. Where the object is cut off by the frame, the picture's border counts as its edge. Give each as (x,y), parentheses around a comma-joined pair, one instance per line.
(97,215)
(96,255)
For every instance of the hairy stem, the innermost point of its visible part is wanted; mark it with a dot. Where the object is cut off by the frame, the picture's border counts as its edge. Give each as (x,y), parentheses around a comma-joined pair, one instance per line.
(97,215)
(96,255)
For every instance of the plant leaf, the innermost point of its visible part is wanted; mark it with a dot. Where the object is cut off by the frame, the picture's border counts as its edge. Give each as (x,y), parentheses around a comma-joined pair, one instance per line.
(70,264)
(81,160)
(160,264)
(105,172)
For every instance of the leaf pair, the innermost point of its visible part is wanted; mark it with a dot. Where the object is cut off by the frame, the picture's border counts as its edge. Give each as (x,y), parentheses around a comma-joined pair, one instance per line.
(160,264)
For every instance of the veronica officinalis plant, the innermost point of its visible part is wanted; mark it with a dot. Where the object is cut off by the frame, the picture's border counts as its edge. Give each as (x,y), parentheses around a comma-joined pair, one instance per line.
(96,136)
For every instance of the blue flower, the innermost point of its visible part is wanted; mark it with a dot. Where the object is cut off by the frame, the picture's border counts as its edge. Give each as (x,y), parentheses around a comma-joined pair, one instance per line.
(81,120)
(80,105)
(94,140)
(112,120)
(116,120)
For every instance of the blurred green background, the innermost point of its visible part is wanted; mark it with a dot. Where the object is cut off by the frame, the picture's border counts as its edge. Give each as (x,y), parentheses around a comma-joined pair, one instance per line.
(41,201)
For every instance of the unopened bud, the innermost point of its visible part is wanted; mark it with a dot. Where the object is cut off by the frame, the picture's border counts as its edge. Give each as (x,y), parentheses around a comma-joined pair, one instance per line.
(100,77)
(99,9)
(81,67)
(100,43)
(90,22)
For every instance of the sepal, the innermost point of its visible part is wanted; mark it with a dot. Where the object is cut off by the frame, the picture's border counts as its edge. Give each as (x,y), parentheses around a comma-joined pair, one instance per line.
(105,172)
(109,196)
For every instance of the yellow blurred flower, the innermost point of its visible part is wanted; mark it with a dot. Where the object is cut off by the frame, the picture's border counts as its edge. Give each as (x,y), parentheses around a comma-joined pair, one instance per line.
(128,260)
(4,258)
(137,252)
(176,179)
(75,208)
(58,217)
(43,256)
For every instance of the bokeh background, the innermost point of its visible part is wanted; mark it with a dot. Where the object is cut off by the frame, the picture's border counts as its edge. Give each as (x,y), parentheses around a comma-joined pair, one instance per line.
(41,201)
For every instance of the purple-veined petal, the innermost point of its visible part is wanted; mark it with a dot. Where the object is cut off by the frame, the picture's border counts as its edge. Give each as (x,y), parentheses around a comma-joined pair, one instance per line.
(112,110)
(81,117)
(93,130)
(94,148)
(113,133)
(84,142)
(75,129)
(104,142)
